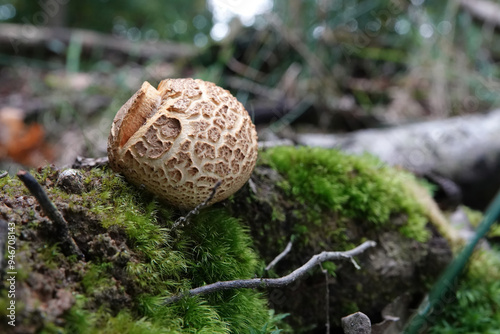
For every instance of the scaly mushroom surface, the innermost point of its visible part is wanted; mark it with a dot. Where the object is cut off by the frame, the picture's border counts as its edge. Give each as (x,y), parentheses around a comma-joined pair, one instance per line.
(180,139)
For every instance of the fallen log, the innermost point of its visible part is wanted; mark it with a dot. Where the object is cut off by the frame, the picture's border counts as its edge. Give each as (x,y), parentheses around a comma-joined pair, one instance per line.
(487,11)
(464,149)
(22,36)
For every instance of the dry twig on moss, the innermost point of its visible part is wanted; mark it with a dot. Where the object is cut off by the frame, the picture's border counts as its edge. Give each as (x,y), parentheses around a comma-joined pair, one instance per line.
(50,210)
(275,282)
(182,221)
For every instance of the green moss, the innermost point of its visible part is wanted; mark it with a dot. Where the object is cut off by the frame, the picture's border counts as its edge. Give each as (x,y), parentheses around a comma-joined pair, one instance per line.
(214,247)
(80,320)
(475,306)
(355,187)
(220,244)
(50,255)
(154,265)
(96,277)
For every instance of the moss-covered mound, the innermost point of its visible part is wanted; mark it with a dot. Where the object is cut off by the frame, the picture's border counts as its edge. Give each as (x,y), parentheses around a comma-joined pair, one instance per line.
(360,188)
(132,263)
(320,199)
(326,200)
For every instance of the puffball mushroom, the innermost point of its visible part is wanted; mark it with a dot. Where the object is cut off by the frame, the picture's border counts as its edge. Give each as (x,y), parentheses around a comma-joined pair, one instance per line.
(179,140)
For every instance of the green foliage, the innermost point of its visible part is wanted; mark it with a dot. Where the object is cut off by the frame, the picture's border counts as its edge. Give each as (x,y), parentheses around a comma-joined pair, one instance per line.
(356,187)
(215,246)
(474,307)
(130,19)
(272,326)
(366,20)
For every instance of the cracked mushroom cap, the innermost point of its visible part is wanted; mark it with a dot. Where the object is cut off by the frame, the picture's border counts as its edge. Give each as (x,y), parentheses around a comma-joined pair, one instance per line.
(180,139)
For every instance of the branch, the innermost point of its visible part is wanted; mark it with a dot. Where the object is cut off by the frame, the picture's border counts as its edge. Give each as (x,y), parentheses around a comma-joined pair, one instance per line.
(434,146)
(50,209)
(274,282)
(280,256)
(488,11)
(22,35)
(184,220)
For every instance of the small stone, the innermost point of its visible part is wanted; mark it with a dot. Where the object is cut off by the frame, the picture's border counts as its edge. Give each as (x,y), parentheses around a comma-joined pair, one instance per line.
(71,181)
(356,323)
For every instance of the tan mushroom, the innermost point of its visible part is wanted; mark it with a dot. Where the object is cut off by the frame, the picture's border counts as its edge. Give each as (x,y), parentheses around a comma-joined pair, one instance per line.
(180,139)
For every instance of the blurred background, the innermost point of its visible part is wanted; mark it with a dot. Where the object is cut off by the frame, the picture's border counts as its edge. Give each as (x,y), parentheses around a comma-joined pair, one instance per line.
(300,67)
(309,66)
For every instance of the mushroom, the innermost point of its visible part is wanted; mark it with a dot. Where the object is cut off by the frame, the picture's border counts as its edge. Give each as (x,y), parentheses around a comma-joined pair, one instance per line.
(181,139)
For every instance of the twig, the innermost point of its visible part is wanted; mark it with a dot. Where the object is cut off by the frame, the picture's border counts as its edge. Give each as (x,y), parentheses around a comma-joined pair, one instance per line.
(274,282)
(354,263)
(327,299)
(4,174)
(50,209)
(185,220)
(280,256)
